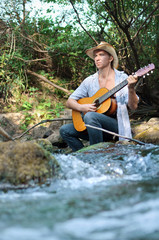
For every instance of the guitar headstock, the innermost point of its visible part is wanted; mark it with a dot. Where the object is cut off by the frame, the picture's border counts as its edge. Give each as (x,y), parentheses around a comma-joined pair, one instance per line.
(145,70)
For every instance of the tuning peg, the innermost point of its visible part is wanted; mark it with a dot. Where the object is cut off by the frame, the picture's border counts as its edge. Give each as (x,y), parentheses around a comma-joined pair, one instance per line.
(151,71)
(143,76)
(147,74)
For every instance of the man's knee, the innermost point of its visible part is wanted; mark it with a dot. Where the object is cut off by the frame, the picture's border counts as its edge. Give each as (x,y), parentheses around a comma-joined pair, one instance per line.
(63,131)
(89,117)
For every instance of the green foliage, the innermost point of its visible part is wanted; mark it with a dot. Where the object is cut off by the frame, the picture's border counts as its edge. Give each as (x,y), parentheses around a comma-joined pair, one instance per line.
(130,26)
(12,77)
(37,106)
(69,58)
(44,110)
(55,47)
(28,119)
(26,106)
(49,109)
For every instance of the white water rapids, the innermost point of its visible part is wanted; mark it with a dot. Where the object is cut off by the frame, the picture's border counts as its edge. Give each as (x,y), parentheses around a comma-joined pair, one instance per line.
(98,195)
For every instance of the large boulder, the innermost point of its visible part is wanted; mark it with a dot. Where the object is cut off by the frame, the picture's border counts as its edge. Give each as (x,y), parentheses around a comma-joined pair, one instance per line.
(22,162)
(147,131)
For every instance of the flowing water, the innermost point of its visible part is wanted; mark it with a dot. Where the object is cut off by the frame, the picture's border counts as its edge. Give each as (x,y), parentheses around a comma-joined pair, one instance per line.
(99,195)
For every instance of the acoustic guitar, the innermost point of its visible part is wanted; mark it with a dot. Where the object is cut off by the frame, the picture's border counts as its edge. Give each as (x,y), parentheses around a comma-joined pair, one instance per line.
(103,99)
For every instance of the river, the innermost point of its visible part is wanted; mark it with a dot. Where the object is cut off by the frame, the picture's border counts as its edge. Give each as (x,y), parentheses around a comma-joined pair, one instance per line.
(98,195)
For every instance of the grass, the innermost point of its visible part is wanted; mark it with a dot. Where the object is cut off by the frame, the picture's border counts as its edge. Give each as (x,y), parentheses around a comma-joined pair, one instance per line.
(35,104)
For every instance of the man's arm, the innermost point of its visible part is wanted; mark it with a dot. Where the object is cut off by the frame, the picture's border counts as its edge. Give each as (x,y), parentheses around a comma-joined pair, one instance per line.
(133,98)
(73,104)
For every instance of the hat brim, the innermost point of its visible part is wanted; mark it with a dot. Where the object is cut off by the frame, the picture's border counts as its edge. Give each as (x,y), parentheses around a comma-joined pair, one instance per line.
(106,47)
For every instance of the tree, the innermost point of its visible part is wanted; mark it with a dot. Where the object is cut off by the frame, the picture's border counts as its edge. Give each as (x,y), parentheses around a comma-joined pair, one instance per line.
(130,26)
(57,46)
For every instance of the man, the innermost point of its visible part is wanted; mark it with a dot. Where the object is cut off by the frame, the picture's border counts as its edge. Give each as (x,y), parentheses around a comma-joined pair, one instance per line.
(108,77)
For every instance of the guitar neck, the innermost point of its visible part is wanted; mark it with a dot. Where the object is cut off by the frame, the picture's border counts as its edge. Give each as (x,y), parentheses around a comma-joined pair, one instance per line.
(112,91)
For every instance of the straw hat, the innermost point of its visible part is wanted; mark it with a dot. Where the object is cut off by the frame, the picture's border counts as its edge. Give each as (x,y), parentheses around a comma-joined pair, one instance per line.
(106,47)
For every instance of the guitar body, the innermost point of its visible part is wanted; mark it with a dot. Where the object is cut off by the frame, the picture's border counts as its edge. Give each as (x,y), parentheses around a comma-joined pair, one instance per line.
(109,106)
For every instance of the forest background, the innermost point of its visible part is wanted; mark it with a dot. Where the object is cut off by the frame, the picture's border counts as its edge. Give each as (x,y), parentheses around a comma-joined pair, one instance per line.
(42,57)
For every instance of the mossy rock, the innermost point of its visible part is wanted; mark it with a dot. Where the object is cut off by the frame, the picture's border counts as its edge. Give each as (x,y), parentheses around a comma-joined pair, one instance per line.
(150,135)
(102,145)
(147,132)
(44,143)
(21,162)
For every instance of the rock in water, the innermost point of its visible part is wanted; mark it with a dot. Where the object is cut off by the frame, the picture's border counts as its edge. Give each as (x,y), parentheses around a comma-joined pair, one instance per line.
(21,162)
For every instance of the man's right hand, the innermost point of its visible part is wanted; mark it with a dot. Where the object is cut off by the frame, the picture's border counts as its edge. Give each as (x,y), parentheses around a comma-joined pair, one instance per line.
(88,107)
(74,105)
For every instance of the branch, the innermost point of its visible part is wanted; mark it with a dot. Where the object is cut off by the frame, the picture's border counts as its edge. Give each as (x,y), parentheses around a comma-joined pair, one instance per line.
(122,3)
(5,134)
(42,78)
(43,121)
(115,134)
(122,16)
(143,11)
(140,28)
(29,61)
(81,23)
(33,41)
(67,55)
(113,16)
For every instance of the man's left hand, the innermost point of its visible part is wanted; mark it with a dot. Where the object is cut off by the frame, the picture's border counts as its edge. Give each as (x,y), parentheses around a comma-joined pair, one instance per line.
(132,79)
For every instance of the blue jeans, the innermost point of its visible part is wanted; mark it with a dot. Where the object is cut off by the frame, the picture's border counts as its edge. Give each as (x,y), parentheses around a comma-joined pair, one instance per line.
(72,137)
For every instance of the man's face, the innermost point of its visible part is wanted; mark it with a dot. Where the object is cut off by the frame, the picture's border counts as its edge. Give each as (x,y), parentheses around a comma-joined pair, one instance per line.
(102,59)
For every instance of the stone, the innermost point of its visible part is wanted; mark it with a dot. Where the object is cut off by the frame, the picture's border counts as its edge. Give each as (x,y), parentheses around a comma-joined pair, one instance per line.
(150,135)
(23,162)
(147,132)
(38,132)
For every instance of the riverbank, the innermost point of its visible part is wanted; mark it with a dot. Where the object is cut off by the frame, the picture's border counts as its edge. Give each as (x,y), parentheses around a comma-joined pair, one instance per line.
(143,130)
(28,155)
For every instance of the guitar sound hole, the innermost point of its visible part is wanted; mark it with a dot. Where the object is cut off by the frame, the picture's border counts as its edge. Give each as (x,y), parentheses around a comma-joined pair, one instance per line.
(97,103)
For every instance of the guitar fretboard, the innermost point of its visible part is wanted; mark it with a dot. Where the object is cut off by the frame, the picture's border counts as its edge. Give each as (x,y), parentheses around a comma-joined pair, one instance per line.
(112,91)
